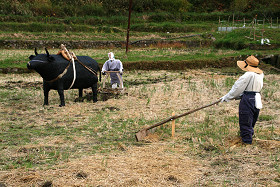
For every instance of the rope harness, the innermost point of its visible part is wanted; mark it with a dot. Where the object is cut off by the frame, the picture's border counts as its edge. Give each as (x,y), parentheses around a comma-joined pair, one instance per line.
(60,75)
(71,57)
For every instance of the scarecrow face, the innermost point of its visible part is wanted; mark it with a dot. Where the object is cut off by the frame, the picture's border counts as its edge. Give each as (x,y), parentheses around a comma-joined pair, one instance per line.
(111,56)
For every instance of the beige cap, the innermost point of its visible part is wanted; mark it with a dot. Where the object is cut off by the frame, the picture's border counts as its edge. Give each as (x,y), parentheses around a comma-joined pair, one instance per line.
(250,64)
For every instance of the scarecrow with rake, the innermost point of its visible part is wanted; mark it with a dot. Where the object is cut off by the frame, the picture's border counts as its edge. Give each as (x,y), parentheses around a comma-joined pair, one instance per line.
(247,88)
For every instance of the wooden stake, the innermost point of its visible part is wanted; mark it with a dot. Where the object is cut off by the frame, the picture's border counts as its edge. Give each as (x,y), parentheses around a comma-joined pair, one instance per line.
(228,23)
(173,125)
(220,24)
(254,27)
(104,80)
(128,25)
(232,21)
(263,28)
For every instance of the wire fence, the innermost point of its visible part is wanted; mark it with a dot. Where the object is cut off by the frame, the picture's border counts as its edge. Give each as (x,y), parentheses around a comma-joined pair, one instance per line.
(245,23)
(257,26)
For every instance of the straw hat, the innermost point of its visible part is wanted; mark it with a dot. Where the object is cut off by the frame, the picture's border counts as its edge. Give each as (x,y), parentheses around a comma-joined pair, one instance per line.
(250,64)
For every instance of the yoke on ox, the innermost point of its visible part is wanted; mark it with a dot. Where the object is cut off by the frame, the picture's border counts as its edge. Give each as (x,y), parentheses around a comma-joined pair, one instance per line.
(59,73)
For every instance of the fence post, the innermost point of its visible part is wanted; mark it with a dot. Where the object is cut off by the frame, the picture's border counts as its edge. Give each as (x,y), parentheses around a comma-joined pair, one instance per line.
(220,25)
(253,27)
(128,26)
(173,125)
(232,21)
(228,23)
(263,27)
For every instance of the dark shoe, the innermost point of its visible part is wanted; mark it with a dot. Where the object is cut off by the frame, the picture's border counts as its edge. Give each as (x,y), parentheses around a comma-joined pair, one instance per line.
(246,144)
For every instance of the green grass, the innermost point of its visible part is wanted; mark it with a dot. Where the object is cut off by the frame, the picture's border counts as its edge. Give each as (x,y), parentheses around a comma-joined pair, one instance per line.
(172,27)
(63,36)
(239,39)
(43,27)
(19,58)
(138,26)
(33,137)
(266,117)
(36,137)
(229,82)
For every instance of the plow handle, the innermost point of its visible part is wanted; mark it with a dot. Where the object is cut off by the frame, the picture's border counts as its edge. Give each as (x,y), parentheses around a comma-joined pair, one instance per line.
(181,115)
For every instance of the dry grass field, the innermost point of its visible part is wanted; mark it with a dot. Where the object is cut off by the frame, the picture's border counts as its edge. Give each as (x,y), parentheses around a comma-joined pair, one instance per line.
(93,144)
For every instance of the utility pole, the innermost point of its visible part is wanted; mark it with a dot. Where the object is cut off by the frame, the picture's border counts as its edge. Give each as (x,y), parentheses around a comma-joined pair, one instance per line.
(128,26)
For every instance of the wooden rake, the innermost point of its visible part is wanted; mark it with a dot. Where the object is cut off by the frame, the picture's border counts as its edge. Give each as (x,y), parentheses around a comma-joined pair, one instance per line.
(140,135)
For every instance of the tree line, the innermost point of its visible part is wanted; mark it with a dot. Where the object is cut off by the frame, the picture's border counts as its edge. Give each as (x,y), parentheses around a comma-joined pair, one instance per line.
(64,8)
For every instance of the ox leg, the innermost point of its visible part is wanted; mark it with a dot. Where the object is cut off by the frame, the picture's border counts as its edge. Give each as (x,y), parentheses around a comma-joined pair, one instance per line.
(46,93)
(80,99)
(80,92)
(61,96)
(94,92)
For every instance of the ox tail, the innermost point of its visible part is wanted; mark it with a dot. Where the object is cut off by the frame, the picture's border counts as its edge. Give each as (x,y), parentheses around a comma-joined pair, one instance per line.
(99,73)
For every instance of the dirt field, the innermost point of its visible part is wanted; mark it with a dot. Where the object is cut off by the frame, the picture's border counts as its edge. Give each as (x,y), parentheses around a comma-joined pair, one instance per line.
(93,144)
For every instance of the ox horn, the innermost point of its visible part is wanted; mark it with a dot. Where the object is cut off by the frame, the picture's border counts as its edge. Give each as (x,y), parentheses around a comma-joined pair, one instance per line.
(48,54)
(35,51)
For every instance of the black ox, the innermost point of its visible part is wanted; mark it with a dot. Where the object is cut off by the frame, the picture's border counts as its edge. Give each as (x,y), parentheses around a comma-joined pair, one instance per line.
(58,74)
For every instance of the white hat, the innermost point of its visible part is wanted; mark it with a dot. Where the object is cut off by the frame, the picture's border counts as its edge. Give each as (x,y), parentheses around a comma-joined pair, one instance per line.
(111,56)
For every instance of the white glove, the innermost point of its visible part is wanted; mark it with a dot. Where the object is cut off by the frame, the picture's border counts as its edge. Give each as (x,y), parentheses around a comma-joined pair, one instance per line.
(224,99)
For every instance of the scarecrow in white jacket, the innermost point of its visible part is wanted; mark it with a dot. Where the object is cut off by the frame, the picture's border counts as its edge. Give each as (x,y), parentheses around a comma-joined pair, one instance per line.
(113,65)
(248,88)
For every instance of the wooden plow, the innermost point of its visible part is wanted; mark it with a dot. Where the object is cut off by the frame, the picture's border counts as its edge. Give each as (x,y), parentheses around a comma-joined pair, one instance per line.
(106,91)
(140,135)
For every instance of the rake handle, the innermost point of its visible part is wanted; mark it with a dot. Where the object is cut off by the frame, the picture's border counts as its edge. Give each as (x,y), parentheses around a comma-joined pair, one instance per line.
(181,115)
(112,71)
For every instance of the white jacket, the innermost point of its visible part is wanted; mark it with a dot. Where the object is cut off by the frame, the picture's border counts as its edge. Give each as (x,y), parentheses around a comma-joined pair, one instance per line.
(251,82)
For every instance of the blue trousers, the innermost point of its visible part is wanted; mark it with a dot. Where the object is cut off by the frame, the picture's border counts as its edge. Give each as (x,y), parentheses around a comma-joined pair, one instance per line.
(248,116)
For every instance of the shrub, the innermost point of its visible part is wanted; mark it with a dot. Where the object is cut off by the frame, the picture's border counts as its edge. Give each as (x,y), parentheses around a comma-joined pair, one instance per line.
(14,7)
(93,9)
(41,27)
(161,17)
(233,40)
(168,27)
(43,9)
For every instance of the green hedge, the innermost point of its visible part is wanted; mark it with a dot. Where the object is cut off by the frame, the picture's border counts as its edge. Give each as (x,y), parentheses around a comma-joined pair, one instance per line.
(40,27)
(121,20)
(233,40)
(87,20)
(81,8)
(240,38)
(169,27)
